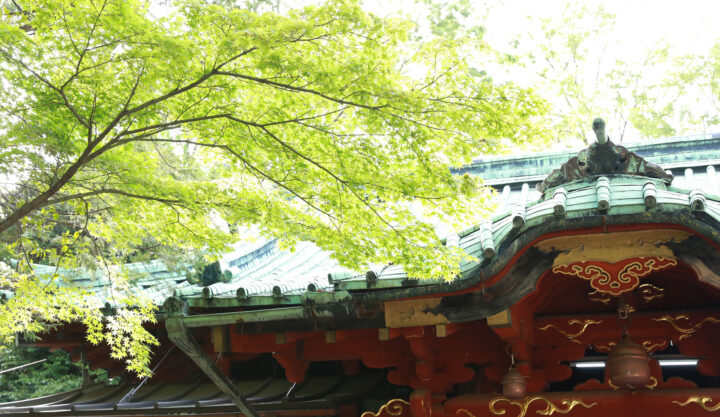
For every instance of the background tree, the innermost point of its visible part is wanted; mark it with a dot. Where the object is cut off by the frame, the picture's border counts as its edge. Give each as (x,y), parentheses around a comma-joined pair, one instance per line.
(585,67)
(325,124)
(56,374)
(697,78)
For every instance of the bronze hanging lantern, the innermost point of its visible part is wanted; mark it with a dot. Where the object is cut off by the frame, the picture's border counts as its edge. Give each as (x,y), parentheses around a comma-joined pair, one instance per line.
(628,365)
(513,384)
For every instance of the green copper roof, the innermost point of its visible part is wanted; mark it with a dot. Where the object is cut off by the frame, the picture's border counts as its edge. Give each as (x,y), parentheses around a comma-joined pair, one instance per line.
(263,275)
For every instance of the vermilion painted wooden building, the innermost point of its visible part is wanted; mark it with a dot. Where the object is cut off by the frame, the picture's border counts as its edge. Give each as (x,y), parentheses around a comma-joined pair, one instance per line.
(607,244)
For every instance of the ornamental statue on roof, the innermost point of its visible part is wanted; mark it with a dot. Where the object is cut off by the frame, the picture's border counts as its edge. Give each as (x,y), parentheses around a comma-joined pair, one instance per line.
(603,158)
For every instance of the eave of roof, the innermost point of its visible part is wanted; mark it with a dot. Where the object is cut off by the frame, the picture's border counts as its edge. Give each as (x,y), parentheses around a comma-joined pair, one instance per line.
(580,210)
(320,393)
(264,277)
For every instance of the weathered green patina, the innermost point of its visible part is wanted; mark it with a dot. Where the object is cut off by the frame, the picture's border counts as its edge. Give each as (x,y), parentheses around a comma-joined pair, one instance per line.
(604,199)
(265,279)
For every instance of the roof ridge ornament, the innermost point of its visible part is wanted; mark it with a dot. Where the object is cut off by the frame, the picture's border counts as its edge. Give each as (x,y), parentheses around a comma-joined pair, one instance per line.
(603,158)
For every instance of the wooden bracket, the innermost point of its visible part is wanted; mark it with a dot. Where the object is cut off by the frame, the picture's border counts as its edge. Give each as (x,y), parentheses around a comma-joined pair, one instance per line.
(180,336)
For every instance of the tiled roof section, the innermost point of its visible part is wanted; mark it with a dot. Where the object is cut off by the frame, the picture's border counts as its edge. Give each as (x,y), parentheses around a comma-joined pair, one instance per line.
(272,272)
(258,268)
(319,393)
(523,210)
(693,161)
(707,178)
(152,277)
(264,275)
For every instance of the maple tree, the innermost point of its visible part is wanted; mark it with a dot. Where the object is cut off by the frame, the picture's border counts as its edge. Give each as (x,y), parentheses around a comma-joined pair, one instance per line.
(121,129)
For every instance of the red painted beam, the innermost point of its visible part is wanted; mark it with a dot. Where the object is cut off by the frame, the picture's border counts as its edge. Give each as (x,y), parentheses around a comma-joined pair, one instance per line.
(655,403)
(601,328)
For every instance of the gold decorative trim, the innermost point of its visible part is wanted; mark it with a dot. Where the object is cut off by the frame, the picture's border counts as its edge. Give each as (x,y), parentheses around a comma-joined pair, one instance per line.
(501,319)
(617,278)
(649,346)
(650,292)
(604,348)
(612,247)
(599,297)
(632,272)
(701,401)
(589,272)
(572,336)
(549,410)
(417,312)
(613,386)
(653,384)
(686,331)
(394,407)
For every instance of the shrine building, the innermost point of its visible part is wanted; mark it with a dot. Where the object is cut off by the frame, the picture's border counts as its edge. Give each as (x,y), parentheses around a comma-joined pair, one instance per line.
(596,292)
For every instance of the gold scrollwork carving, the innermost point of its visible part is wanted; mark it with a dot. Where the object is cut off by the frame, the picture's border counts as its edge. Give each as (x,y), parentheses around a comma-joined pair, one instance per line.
(686,331)
(617,278)
(650,347)
(394,408)
(613,386)
(572,336)
(599,297)
(604,348)
(653,384)
(647,344)
(650,292)
(632,272)
(701,401)
(549,409)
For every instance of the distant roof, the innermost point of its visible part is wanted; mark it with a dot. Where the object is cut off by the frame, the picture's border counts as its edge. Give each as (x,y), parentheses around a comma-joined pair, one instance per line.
(670,153)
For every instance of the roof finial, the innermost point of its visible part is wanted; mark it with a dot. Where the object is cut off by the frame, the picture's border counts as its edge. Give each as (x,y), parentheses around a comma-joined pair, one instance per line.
(599,129)
(603,158)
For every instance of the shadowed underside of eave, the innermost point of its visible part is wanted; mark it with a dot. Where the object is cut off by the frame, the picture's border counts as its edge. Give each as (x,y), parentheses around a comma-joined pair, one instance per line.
(319,395)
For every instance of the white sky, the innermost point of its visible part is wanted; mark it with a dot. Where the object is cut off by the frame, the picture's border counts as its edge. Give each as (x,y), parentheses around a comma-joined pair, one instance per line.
(689,24)
(689,27)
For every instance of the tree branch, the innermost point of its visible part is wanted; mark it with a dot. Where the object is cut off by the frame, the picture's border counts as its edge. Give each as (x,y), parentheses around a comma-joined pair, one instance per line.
(111,191)
(289,87)
(175,92)
(47,82)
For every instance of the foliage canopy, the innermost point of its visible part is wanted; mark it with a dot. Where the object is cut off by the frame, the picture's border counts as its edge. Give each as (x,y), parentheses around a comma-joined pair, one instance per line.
(582,62)
(56,374)
(121,131)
